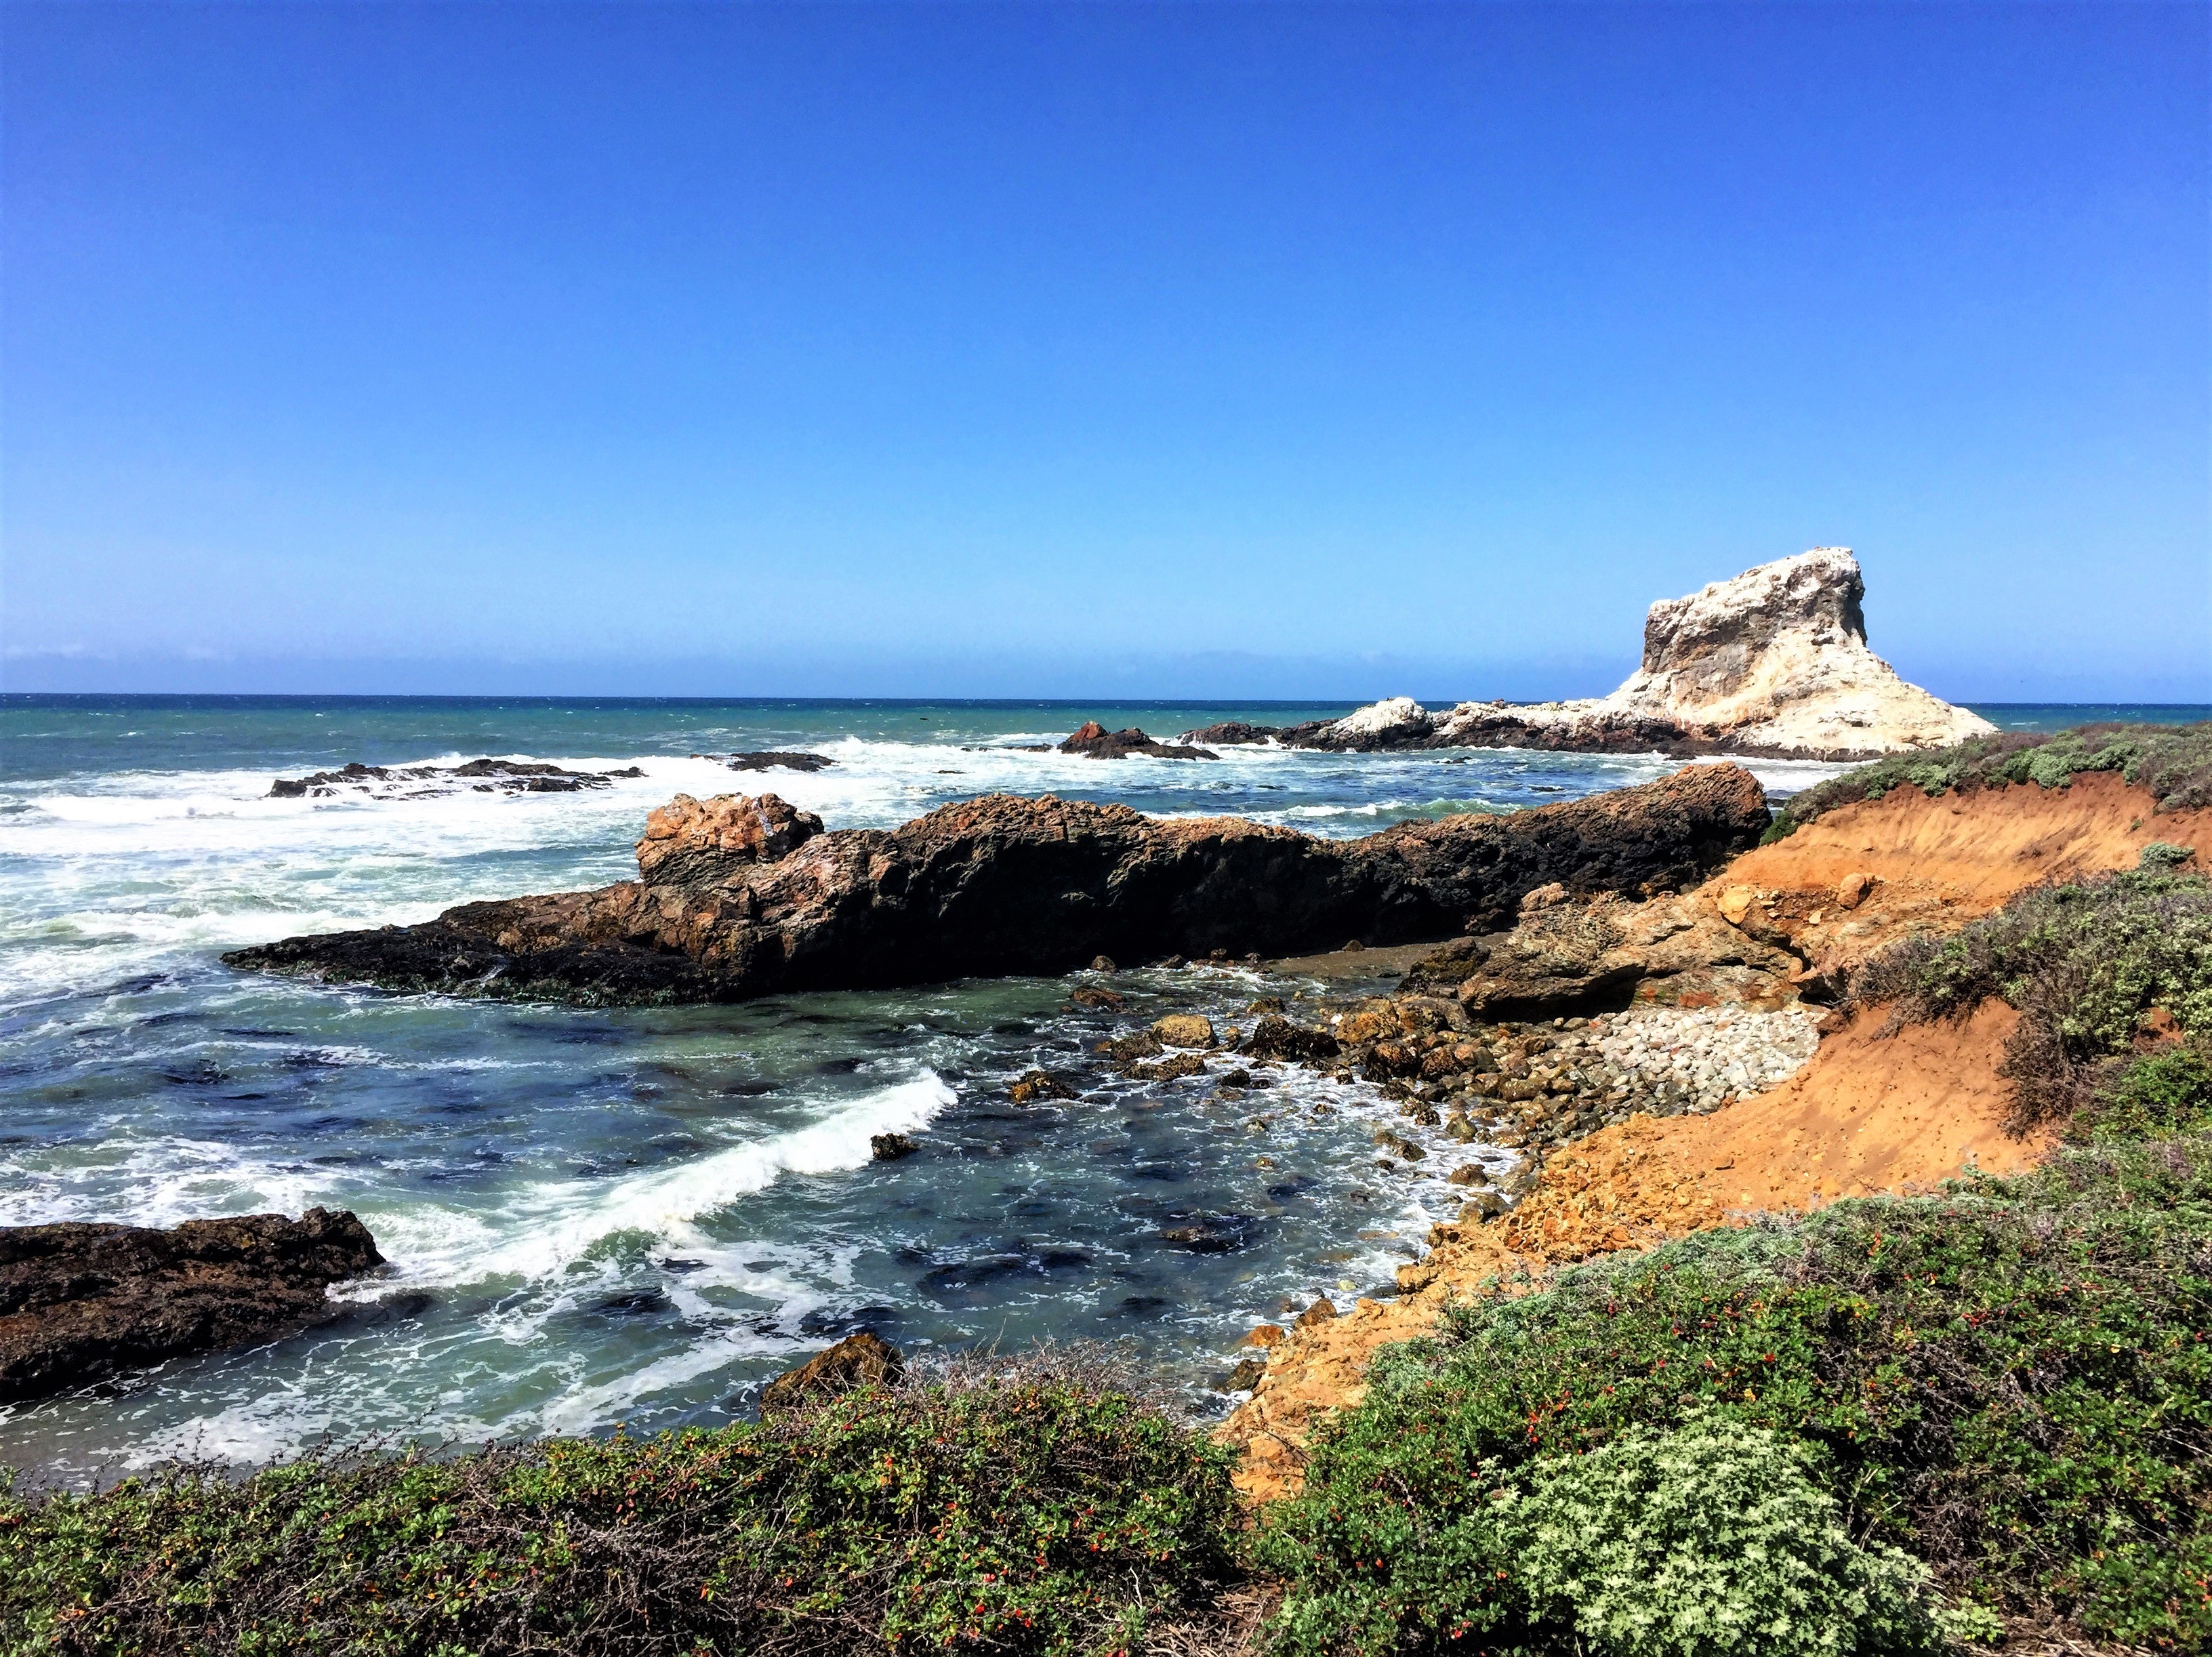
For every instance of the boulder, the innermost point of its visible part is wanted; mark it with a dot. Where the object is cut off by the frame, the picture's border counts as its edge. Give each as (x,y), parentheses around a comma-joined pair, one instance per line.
(1185,1029)
(862,1360)
(689,842)
(81,1301)
(891,1147)
(1001,885)
(770,761)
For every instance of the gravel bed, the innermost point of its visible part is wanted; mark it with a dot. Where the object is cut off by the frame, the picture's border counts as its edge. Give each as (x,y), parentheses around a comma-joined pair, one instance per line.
(1700,1058)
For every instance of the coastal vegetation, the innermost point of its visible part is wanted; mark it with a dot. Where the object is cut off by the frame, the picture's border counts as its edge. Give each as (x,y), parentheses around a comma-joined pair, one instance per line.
(1039,1507)
(2092,966)
(1895,1425)
(2171,762)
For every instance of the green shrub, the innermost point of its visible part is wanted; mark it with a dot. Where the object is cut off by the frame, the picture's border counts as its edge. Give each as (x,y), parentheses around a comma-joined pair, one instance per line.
(2081,962)
(2172,762)
(2154,1095)
(2009,1382)
(1708,1541)
(1025,1515)
(2163,854)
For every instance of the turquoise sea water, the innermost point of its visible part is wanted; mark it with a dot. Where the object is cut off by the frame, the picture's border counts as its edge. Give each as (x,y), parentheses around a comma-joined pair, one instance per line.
(637,1216)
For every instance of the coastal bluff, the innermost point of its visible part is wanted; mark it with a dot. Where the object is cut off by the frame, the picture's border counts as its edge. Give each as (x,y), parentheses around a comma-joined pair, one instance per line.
(741,896)
(1773,663)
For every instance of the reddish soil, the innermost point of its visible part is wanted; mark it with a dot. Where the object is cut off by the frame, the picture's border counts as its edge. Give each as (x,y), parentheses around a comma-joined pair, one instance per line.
(1869,1113)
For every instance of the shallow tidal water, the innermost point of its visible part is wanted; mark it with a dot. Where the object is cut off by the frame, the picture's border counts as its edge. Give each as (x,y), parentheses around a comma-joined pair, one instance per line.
(637,1217)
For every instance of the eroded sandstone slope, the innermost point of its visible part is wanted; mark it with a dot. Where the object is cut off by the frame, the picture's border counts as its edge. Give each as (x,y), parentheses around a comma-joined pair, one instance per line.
(1875,1110)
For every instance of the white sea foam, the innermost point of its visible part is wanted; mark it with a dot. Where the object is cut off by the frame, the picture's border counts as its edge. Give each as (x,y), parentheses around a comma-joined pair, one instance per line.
(540,1233)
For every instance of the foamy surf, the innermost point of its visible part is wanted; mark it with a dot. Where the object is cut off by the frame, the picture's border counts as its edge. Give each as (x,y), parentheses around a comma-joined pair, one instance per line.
(543,1233)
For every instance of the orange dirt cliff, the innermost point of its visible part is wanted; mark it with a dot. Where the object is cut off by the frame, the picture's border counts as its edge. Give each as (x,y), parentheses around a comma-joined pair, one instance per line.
(1870,1112)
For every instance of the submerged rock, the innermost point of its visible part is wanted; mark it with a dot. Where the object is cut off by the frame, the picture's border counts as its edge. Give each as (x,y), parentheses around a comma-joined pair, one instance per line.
(1001,885)
(1774,661)
(82,1301)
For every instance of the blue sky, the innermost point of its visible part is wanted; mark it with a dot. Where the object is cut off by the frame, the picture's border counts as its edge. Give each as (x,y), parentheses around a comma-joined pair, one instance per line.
(1233,350)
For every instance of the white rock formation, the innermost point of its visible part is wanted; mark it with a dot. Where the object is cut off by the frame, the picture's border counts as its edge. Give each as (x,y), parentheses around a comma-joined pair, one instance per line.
(1775,660)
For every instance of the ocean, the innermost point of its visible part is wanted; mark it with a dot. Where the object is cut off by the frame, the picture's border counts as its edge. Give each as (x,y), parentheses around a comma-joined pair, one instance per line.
(635,1218)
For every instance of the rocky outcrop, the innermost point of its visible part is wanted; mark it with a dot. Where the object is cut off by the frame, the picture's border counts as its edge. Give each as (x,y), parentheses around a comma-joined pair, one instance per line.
(689,844)
(1233,734)
(413,781)
(1773,662)
(1094,740)
(82,1301)
(1000,885)
(1572,958)
(865,1359)
(775,761)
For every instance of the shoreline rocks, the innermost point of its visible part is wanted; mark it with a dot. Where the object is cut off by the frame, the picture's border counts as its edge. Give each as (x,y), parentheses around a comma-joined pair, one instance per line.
(482,776)
(1094,740)
(1771,664)
(1001,885)
(770,761)
(81,1301)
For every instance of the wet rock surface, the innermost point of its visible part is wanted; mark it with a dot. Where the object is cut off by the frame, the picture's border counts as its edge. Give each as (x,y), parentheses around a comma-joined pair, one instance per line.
(769,760)
(79,1302)
(412,781)
(1000,884)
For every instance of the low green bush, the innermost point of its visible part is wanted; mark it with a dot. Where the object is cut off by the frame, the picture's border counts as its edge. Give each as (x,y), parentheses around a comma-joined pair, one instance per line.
(2172,762)
(1024,1515)
(2082,962)
(2008,1382)
(1708,1541)
(2149,1096)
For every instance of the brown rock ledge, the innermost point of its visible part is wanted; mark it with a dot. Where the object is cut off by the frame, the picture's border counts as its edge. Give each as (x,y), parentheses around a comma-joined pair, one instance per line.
(1002,885)
(82,1301)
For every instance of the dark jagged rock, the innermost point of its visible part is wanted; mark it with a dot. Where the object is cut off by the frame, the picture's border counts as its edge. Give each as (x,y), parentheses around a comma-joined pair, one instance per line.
(1094,740)
(483,776)
(80,1301)
(769,760)
(1001,885)
(1232,734)
(1276,1037)
(890,1147)
(861,1360)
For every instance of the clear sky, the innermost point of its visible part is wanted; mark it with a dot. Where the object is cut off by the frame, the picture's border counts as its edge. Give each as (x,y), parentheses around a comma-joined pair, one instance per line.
(959,348)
